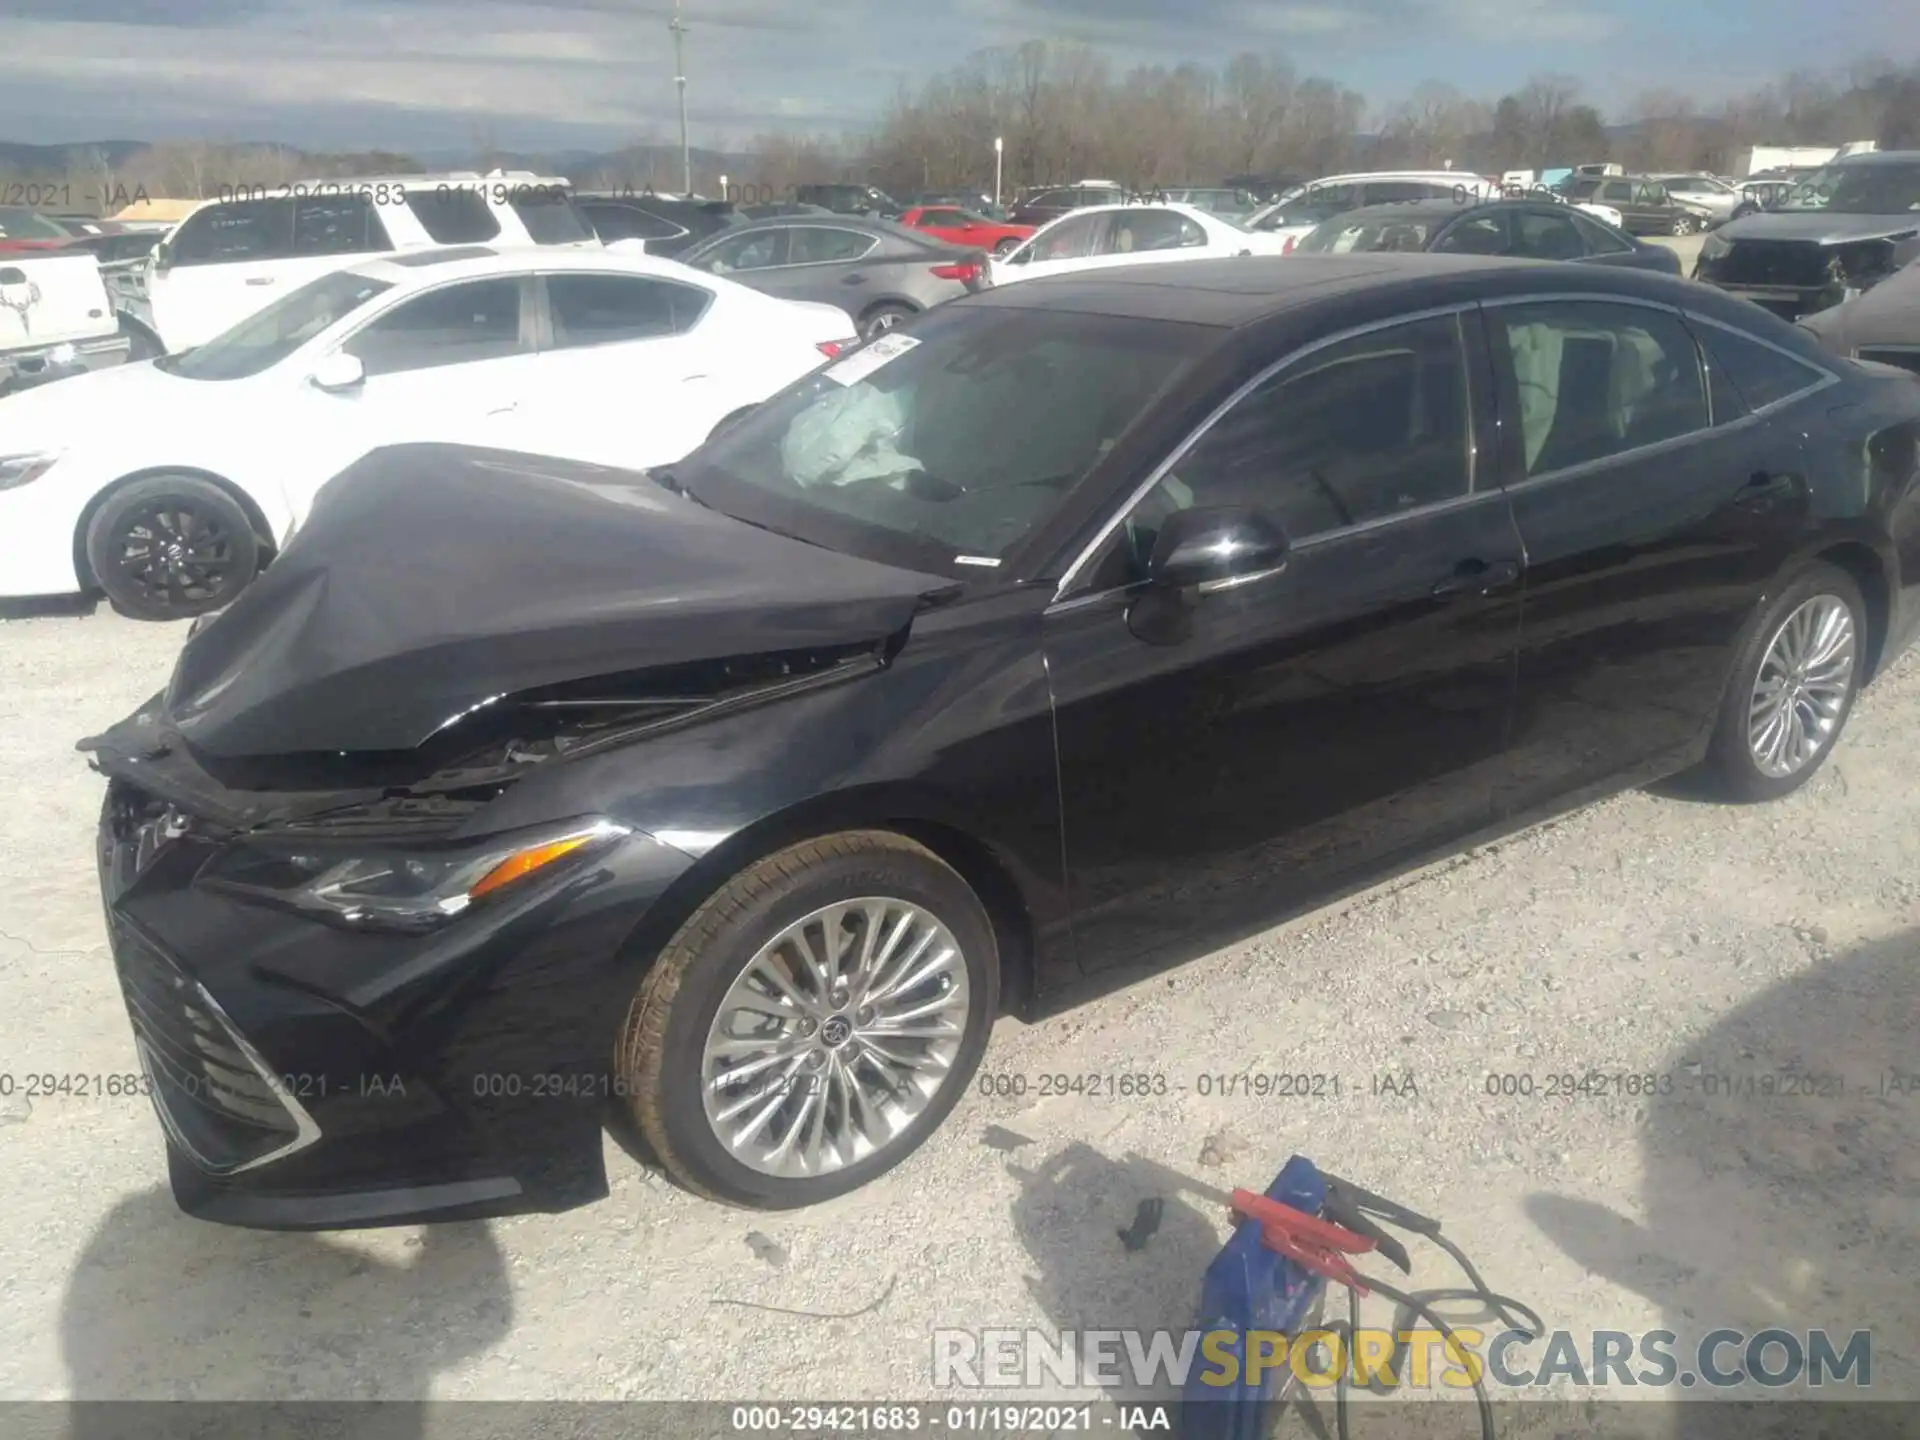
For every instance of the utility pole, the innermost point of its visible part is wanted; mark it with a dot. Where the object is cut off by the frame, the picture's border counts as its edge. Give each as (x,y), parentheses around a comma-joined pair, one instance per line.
(680,79)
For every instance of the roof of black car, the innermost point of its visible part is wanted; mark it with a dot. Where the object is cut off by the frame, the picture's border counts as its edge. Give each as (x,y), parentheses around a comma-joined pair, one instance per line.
(1227,292)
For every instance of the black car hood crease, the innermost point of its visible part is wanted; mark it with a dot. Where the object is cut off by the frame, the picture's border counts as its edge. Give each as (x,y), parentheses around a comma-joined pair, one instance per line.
(430,580)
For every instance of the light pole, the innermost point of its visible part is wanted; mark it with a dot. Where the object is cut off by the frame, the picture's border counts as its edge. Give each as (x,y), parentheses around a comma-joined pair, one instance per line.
(680,79)
(999,155)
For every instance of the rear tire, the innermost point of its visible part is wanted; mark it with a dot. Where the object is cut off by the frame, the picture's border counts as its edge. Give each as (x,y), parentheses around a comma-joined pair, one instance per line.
(1008,246)
(882,318)
(692,1021)
(171,547)
(1776,729)
(1684,225)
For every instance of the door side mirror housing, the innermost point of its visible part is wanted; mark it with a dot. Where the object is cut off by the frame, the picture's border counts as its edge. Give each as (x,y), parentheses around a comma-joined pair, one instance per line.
(338,372)
(1215,549)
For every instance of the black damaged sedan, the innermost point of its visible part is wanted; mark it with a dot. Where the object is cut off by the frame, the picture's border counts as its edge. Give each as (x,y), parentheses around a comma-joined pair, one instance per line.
(1088,625)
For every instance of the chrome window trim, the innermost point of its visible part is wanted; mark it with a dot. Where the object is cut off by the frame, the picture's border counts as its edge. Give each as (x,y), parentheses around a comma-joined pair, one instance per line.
(1344,532)
(1199,432)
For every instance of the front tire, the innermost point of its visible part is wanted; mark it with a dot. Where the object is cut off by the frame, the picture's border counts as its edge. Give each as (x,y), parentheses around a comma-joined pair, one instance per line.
(1792,688)
(171,547)
(1008,245)
(812,1022)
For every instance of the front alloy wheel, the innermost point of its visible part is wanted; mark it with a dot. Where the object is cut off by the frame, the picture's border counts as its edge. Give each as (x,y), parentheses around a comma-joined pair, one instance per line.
(1683,224)
(835,1037)
(812,1022)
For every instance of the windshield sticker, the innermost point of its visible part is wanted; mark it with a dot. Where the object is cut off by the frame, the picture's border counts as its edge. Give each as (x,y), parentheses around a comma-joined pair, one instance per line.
(863,362)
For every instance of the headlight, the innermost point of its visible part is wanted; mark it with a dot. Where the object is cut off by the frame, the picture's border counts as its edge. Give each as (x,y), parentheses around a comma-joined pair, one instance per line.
(1713,247)
(18,470)
(401,889)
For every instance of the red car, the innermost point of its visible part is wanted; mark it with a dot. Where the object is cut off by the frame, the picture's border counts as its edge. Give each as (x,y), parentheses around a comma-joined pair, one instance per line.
(24,230)
(962,227)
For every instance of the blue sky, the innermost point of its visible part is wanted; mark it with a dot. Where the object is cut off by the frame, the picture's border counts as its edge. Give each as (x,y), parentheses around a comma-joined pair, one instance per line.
(424,74)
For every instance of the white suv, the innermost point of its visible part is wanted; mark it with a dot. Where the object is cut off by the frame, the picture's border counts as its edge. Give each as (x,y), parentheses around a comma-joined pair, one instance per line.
(238,253)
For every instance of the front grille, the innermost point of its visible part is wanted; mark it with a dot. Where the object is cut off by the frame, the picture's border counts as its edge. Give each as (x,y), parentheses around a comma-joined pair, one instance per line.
(1772,262)
(215,1099)
(1907,357)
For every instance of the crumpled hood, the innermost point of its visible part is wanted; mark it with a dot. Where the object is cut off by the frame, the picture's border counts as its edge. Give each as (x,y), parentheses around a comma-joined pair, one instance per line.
(1817,226)
(1888,314)
(431,579)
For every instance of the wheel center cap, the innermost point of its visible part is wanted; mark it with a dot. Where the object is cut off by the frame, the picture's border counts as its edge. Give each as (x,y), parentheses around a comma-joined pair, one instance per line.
(835,1031)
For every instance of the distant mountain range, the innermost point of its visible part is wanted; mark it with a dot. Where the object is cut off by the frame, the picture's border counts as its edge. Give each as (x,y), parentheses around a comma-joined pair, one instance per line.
(574,164)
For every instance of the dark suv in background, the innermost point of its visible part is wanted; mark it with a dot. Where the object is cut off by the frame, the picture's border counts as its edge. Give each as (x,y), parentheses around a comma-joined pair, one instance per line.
(1646,206)
(1838,233)
(850,200)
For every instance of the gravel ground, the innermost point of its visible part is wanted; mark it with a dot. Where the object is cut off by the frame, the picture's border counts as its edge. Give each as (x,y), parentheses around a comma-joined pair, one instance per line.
(1651,935)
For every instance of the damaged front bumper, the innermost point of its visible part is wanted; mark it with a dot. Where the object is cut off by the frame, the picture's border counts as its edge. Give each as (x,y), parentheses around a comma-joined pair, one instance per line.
(308,1074)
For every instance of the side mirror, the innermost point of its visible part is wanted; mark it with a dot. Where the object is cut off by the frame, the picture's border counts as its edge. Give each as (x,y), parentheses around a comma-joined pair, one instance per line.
(339,371)
(1216,549)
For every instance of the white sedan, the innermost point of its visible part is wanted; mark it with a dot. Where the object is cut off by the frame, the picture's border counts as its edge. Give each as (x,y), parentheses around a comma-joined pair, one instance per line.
(168,483)
(1105,235)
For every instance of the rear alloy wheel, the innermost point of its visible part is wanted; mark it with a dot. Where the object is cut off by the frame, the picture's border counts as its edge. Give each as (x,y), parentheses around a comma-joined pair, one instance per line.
(882,318)
(813,1022)
(1684,224)
(1794,687)
(171,547)
(1008,245)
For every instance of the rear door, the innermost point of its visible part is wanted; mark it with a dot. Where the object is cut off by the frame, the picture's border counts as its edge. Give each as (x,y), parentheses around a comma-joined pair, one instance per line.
(1318,722)
(1620,195)
(1651,517)
(823,265)
(1065,245)
(631,371)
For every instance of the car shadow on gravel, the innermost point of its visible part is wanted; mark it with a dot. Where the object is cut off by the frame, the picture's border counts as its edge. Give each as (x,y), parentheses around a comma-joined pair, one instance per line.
(164,1307)
(1774,1201)
(40,607)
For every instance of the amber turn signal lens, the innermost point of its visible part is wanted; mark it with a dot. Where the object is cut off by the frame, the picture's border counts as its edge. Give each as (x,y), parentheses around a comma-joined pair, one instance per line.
(514,867)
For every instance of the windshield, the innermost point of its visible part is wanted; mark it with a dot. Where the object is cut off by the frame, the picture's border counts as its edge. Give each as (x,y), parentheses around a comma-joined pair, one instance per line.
(269,336)
(945,448)
(1338,237)
(1883,189)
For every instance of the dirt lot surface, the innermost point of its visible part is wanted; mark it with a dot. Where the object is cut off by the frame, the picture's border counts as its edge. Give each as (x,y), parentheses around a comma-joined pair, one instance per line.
(1648,935)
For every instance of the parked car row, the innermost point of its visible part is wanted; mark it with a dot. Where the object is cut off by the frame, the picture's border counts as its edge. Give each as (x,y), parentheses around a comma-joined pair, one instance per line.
(1082,626)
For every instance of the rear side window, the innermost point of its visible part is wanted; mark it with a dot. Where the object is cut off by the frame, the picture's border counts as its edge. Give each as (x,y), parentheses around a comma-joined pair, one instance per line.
(755,251)
(337,225)
(819,245)
(1758,373)
(1600,240)
(549,217)
(1477,235)
(1133,231)
(1618,190)
(454,325)
(236,232)
(1597,380)
(606,309)
(453,216)
(1546,235)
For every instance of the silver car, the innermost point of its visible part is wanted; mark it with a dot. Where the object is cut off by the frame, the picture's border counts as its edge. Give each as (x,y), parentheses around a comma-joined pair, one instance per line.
(1708,192)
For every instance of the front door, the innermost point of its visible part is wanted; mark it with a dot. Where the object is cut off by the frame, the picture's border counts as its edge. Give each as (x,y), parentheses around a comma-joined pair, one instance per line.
(450,364)
(1651,520)
(1318,723)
